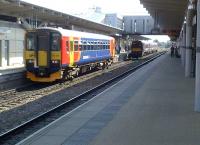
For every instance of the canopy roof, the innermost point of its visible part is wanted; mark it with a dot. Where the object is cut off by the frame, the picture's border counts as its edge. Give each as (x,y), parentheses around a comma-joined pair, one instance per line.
(168,14)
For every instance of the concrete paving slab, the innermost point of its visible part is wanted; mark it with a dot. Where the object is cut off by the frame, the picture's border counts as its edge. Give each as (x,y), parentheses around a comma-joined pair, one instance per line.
(160,113)
(154,106)
(92,115)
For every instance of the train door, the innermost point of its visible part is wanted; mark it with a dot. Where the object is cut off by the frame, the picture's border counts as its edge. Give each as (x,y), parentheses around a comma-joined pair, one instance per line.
(76,50)
(71,52)
(43,53)
(112,47)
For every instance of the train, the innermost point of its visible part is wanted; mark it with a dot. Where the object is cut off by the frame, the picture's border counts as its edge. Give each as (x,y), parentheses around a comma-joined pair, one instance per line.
(149,47)
(136,49)
(55,53)
(141,48)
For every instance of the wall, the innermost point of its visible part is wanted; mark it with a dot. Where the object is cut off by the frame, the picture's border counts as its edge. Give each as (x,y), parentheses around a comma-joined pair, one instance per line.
(138,24)
(14,34)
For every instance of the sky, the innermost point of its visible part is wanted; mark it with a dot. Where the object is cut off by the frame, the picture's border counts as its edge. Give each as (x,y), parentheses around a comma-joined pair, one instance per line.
(160,38)
(122,7)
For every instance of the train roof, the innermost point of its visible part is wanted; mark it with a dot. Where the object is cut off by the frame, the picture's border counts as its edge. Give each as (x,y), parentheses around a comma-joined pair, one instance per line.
(65,32)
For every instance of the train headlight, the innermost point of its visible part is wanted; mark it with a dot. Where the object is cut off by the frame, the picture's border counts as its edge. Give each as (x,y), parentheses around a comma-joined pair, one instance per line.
(55,61)
(30,61)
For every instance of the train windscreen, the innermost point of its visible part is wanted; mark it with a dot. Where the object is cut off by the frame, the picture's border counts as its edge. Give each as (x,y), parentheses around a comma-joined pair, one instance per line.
(55,43)
(43,42)
(137,44)
(30,41)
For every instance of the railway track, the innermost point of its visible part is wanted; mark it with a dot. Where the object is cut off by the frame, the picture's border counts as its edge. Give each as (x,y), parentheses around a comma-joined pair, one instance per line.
(14,134)
(17,97)
(12,79)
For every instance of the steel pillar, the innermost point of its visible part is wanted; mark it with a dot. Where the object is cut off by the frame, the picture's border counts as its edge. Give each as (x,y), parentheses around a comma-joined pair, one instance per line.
(197,80)
(188,51)
(183,46)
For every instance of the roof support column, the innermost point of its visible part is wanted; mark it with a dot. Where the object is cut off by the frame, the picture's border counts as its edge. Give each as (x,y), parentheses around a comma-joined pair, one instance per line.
(197,79)
(188,51)
(183,46)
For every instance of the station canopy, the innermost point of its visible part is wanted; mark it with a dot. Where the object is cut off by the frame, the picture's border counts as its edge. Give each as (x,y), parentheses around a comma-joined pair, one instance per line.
(18,8)
(169,15)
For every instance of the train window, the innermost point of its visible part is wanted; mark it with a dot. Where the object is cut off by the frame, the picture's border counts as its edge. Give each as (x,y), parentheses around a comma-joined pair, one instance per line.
(43,42)
(104,45)
(100,45)
(67,45)
(88,45)
(95,45)
(30,42)
(84,47)
(92,45)
(75,45)
(107,45)
(80,47)
(55,43)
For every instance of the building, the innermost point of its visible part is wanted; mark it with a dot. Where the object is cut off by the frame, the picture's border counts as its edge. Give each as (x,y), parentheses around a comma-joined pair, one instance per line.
(138,24)
(114,20)
(93,14)
(11,44)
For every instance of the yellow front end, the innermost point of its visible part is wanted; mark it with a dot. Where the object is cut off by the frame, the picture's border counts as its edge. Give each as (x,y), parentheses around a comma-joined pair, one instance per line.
(42,62)
(53,77)
(43,55)
(136,49)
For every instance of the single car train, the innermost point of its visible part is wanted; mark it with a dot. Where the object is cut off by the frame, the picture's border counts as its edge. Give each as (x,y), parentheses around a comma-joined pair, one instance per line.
(54,53)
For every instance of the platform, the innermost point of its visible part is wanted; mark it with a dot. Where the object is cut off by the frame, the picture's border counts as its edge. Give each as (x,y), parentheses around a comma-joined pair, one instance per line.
(10,77)
(153,106)
(11,70)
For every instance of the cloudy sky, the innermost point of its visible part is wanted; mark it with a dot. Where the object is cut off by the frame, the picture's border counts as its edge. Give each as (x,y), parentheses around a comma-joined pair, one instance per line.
(122,7)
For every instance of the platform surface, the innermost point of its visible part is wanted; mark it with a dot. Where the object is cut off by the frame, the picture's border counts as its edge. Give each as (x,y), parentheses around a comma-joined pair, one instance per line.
(11,70)
(153,106)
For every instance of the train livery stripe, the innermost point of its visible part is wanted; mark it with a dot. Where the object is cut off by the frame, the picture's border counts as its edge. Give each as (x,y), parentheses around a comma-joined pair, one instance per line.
(136,49)
(71,53)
